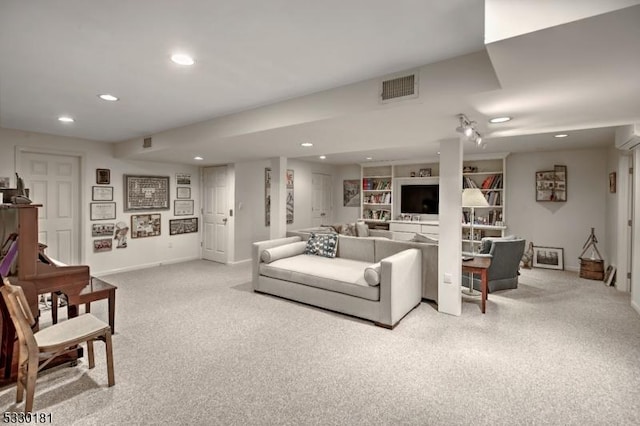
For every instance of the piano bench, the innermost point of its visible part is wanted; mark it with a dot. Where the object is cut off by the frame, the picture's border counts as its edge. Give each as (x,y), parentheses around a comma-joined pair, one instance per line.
(95,290)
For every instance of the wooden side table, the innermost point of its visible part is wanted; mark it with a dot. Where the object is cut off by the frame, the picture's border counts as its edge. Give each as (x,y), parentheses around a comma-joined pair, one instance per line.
(95,290)
(479,265)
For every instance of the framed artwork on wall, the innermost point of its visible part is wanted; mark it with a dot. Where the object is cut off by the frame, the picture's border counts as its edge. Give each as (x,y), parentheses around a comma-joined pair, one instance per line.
(146,193)
(102,211)
(267,196)
(351,193)
(183,207)
(103,176)
(102,193)
(183,226)
(102,229)
(102,245)
(145,225)
(183,192)
(183,178)
(551,185)
(612,182)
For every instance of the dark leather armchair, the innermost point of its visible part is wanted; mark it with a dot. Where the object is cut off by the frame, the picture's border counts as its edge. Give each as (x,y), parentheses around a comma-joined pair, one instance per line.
(505,254)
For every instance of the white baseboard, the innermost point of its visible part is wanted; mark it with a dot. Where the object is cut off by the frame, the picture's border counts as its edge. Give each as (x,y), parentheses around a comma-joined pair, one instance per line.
(239,262)
(635,306)
(145,266)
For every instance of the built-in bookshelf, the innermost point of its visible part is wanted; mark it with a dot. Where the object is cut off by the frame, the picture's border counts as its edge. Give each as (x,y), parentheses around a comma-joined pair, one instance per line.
(378,194)
(489,177)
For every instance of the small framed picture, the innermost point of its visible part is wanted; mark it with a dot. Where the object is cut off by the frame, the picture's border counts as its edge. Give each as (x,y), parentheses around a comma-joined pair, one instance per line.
(102,245)
(183,226)
(425,172)
(183,207)
(548,257)
(103,176)
(102,211)
(183,178)
(102,193)
(102,229)
(183,192)
(145,225)
(415,218)
(612,182)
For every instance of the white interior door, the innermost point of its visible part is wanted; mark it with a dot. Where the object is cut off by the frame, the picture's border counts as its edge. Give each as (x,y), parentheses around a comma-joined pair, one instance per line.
(54,182)
(321,199)
(215,214)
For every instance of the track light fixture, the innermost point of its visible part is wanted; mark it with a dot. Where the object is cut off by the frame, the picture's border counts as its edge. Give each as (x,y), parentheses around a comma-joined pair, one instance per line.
(468,128)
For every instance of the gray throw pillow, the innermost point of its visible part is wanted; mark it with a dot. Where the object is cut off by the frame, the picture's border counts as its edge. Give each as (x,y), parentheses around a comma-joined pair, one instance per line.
(362,229)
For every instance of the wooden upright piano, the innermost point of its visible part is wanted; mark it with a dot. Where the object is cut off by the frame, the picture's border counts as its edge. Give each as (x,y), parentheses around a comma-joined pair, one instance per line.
(36,274)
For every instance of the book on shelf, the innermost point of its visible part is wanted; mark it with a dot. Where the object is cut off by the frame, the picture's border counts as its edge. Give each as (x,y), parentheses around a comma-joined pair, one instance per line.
(467,182)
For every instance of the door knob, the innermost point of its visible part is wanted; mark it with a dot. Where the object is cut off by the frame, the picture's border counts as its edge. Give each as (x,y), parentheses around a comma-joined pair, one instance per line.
(224,220)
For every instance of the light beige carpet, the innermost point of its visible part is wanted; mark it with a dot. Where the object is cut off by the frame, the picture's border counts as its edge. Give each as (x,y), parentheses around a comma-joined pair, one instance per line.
(194,345)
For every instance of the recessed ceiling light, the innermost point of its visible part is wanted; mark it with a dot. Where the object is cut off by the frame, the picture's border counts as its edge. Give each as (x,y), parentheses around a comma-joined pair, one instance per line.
(369,158)
(561,135)
(182,59)
(306,144)
(500,119)
(198,158)
(323,157)
(65,119)
(108,97)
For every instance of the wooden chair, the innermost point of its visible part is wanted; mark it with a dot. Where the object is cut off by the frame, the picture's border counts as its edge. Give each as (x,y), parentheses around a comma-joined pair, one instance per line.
(50,342)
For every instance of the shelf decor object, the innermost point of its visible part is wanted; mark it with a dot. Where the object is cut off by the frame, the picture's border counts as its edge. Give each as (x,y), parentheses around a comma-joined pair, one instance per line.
(551,185)
(592,267)
(472,198)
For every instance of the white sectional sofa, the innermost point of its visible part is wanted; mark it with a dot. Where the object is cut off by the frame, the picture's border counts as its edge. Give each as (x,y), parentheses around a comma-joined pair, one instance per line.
(281,268)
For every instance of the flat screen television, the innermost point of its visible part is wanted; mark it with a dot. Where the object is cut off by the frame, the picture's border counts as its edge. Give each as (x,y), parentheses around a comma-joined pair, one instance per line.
(419,199)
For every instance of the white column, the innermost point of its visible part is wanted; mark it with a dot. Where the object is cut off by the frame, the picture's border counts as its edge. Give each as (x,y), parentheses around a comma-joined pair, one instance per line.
(450,229)
(278,228)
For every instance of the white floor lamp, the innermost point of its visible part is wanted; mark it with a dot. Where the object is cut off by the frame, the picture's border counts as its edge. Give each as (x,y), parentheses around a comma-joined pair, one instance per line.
(472,198)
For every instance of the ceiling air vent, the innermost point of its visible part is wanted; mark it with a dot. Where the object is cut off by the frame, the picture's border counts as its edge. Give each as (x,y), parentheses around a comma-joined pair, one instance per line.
(399,88)
(146,143)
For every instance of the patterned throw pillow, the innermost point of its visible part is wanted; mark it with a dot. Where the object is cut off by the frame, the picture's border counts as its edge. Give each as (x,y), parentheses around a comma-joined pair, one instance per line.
(322,244)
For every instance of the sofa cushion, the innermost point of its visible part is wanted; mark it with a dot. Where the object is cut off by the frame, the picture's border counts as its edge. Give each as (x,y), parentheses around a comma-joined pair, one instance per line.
(362,229)
(322,244)
(356,248)
(340,275)
(287,250)
(372,274)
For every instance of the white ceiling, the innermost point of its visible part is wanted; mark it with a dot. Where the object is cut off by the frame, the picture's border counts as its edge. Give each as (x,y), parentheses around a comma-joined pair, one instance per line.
(58,56)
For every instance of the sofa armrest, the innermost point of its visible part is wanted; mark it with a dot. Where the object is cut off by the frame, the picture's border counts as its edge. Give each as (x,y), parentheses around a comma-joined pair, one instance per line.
(256,250)
(400,284)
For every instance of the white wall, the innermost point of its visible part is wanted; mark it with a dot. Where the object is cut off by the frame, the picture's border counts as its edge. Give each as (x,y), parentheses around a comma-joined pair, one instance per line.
(141,251)
(342,214)
(508,18)
(249,201)
(560,224)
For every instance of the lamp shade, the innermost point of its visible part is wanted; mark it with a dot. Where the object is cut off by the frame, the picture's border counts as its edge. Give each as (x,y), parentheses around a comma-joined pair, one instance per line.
(473,197)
